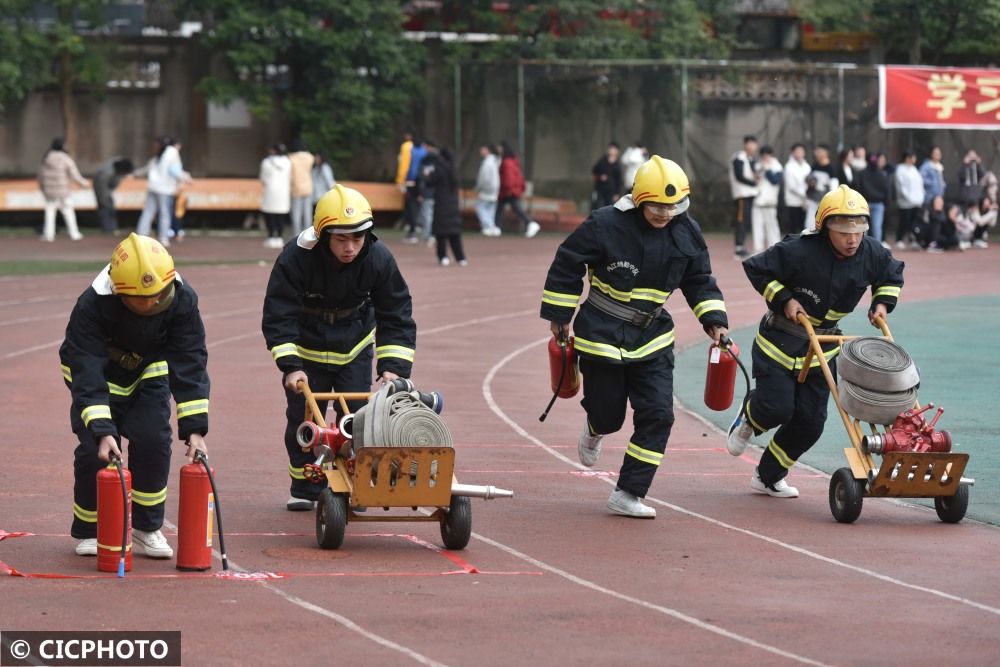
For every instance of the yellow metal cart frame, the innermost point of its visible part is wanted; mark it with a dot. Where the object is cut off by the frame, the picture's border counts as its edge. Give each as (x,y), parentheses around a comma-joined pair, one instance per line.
(391,477)
(936,475)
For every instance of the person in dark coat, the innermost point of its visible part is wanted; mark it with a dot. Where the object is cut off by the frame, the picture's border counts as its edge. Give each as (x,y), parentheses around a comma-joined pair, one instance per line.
(108,176)
(447,222)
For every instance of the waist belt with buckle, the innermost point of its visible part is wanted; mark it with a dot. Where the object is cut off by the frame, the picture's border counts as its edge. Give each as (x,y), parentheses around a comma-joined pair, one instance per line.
(332,315)
(127,360)
(606,304)
(779,322)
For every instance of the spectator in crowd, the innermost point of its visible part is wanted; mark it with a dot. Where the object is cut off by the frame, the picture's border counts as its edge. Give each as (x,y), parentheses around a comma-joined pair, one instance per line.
(796,172)
(873,184)
(632,158)
(823,179)
(984,216)
(447,224)
(990,188)
(845,172)
(607,173)
(743,187)
(402,169)
(57,171)
(276,199)
(107,177)
(932,173)
(765,206)
(941,232)
(970,179)
(179,209)
(965,228)
(165,174)
(411,203)
(302,186)
(425,213)
(859,158)
(511,190)
(488,190)
(322,179)
(909,188)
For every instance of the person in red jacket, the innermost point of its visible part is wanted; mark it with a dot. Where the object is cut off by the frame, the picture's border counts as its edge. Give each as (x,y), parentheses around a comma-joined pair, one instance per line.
(511,190)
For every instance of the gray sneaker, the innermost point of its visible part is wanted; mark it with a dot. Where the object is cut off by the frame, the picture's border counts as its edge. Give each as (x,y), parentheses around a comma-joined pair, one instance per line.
(153,543)
(779,489)
(299,504)
(87,547)
(624,503)
(740,433)
(588,447)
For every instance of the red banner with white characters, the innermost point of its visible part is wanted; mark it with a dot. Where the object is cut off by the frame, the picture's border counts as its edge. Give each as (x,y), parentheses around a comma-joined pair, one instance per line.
(939,97)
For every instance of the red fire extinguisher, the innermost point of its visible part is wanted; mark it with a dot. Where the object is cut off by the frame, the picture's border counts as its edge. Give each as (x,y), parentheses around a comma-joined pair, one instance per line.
(564,372)
(720,378)
(198,502)
(114,519)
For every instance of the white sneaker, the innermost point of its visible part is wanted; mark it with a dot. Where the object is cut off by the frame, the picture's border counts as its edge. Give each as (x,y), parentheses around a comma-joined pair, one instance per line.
(532,229)
(299,504)
(444,261)
(77,237)
(900,245)
(779,489)
(740,433)
(979,243)
(164,241)
(588,447)
(47,239)
(87,547)
(152,543)
(463,262)
(495,231)
(623,502)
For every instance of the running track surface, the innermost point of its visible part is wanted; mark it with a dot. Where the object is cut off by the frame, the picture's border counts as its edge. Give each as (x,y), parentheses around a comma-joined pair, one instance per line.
(721,576)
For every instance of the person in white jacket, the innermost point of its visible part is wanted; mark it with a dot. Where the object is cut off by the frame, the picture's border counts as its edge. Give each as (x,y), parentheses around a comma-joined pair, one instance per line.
(164,173)
(632,158)
(765,205)
(797,170)
(909,186)
(488,190)
(743,185)
(276,195)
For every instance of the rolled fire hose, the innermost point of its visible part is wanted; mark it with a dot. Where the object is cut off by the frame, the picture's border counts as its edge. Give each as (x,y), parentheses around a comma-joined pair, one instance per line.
(878,365)
(875,407)
(398,419)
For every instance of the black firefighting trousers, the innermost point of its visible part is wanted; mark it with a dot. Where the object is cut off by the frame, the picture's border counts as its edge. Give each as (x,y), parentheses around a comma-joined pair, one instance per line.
(143,418)
(355,376)
(797,410)
(649,387)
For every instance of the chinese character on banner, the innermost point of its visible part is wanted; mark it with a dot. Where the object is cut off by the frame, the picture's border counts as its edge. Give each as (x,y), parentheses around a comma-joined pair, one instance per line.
(946,90)
(989,86)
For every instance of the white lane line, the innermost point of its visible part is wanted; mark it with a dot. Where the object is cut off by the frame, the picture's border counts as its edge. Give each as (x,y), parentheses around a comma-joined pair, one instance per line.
(29,350)
(478,320)
(332,615)
(722,524)
(35,318)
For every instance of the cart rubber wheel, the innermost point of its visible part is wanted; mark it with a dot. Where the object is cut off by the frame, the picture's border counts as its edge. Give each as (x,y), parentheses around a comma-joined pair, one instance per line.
(331,519)
(951,509)
(456,525)
(846,496)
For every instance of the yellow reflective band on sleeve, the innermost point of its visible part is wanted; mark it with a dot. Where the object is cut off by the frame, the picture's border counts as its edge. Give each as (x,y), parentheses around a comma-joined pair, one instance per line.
(284,350)
(295,473)
(336,358)
(149,499)
(887,290)
(560,300)
(650,294)
(87,516)
(791,363)
(784,459)
(618,354)
(833,315)
(644,455)
(815,321)
(92,412)
(67,374)
(708,306)
(155,369)
(190,408)
(397,351)
(772,289)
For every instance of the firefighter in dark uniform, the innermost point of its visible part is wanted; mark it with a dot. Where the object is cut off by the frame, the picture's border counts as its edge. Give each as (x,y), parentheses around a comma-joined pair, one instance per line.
(134,338)
(821,274)
(635,254)
(333,292)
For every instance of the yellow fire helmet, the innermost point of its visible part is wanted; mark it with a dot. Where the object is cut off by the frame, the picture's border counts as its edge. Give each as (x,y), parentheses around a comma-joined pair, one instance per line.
(662,181)
(141,266)
(342,211)
(843,210)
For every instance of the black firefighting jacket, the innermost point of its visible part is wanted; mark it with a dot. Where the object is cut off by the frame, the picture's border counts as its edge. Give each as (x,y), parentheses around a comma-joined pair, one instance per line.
(804,267)
(321,311)
(639,266)
(109,350)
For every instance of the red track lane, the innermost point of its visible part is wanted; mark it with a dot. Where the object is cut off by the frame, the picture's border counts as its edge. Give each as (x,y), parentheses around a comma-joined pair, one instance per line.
(720,577)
